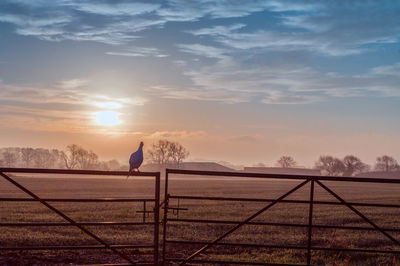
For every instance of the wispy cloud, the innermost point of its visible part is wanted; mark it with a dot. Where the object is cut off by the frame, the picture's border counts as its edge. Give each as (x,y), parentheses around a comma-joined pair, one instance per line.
(66,106)
(230,82)
(328,27)
(139,52)
(203,50)
(113,8)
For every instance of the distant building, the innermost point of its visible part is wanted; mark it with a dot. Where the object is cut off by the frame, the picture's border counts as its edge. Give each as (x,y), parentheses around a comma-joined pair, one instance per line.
(283,171)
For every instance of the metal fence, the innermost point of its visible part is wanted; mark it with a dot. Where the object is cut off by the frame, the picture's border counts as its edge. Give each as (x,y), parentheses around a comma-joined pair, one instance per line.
(165,207)
(312,180)
(83,226)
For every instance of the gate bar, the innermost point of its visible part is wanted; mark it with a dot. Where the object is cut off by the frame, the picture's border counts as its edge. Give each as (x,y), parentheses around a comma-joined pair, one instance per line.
(282,201)
(358,213)
(66,217)
(243,223)
(286,176)
(282,224)
(165,219)
(310,225)
(244,245)
(156,217)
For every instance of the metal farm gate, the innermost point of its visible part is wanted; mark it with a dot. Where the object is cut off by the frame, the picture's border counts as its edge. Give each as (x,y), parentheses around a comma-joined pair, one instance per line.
(84,227)
(171,216)
(170,240)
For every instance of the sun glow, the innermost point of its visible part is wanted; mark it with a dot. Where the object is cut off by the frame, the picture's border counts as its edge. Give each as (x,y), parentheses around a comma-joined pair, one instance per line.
(107,118)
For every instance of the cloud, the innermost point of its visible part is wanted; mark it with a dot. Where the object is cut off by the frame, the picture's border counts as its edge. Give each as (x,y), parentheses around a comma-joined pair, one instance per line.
(72,83)
(278,41)
(115,23)
(177,134)
(203,50)
(66,106)
(328,28)
(231,82)
(113,9)
(139,52)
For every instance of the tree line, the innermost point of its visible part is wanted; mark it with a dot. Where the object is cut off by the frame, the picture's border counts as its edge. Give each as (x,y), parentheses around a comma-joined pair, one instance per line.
(348,166)
(165,152)
(73,157)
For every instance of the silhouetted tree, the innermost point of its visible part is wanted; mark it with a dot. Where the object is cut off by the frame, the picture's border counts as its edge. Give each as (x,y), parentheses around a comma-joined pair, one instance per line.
(330,165)
(165,151)
(286,162)
(70,156)
(178,152)
(10,157)
(386,163)
(43,158)
(27,155)
(86,159)
(353,165)
(159,152)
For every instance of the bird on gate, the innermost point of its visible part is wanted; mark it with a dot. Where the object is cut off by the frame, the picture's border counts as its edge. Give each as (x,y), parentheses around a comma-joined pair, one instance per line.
(136,160)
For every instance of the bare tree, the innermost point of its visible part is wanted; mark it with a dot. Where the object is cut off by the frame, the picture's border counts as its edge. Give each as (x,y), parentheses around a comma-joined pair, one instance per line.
(43,158)
(58,161)
(386,163)
(86,159)
(70,156)
(10,157)
(330,165)
(27,155)
(286,162)
(165,151)
(178,153)
(159,153)
(353,165)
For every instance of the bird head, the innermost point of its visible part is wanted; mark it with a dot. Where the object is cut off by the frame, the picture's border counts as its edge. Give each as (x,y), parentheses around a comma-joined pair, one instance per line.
(141,144)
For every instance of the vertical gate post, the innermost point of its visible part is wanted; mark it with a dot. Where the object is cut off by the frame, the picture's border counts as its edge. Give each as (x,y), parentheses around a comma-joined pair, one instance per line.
(156,218)
(310,215)
(166,205)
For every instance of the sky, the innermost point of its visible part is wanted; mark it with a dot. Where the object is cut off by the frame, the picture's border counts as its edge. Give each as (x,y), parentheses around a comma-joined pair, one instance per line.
(238,81)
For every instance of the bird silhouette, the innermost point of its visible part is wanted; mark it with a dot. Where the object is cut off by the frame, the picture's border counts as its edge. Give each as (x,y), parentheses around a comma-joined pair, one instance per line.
(136,160)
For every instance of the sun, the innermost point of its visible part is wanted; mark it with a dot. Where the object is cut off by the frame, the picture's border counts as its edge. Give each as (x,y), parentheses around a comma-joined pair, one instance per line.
(107,118)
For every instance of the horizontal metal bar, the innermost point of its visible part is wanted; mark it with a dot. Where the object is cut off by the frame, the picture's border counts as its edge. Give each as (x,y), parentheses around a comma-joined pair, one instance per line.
(219,262)
(69,224)
(176,208)
(80,200)
(283,201)
(75,172)
(74,247)
(283,176)
(185,242)
(235,244)
(358,250)
(280,224)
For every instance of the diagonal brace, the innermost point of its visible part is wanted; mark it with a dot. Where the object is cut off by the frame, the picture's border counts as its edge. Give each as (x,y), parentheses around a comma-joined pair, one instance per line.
(33,195)
(358,213)
(207,246)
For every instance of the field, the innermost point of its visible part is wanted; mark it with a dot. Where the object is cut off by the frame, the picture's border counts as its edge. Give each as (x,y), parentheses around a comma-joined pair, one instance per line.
(92,187)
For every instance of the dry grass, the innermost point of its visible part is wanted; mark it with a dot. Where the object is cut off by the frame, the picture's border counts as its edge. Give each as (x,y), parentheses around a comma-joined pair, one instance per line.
(64,187)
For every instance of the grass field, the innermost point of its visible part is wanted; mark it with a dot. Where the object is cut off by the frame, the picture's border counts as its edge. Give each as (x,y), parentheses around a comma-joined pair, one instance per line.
(92,187)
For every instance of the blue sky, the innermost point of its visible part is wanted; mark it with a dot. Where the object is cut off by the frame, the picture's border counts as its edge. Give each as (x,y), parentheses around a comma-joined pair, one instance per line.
(267,78)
